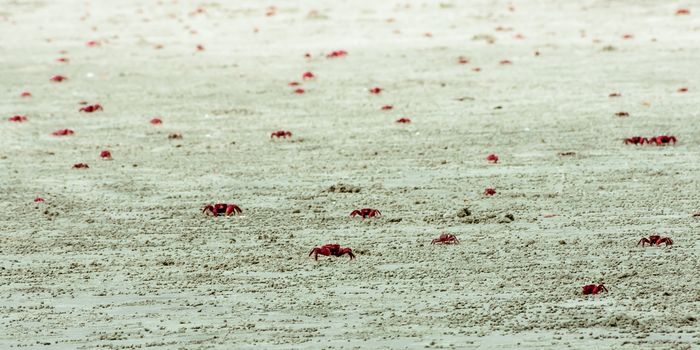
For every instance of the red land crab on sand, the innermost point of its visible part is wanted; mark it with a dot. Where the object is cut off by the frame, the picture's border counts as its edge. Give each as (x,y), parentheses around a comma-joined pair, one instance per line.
(91,108)
(18,118)
(622,114)
(680,12)
(655,239)
(492,158)
(387,107)
(156,121)
(338,53)
(366,212)
(593,289)
(489,191)
(375,90)
(80,166)
(307,75)
(38,200)
(106,155)
(222,208)
(637,140)
(63,132)
(445,238)
(299,91)
(403,120)
(281,133)
(58,78)
(331,249)
(683,89)
(25,94)
(663,140)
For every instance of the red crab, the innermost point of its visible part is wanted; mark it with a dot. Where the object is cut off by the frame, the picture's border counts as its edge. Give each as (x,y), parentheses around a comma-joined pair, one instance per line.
(637,140)
(222,208)
(366,212)
(663,140)
(25,94)
(506,62)
(307,75)
(281,133)
(682,12)
(91,108)
(63,132)
(683,89)
(403,120)
(62,59)
(375,90)
(387,107)
(331,249)
(299,91)
(615,94)
(622,114)
(18,118)
(106,155)
(627,36)
(92,43)
(462,60)
(593,289)
(58,78)
(200,47)
(80,166)
(293,83)
(338,53)
(38,200)
(156,121)
(489,191)
(492,158)
(445,238)
(655,239)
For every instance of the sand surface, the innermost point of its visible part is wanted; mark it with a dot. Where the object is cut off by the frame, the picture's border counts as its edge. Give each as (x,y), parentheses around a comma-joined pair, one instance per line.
(120,256)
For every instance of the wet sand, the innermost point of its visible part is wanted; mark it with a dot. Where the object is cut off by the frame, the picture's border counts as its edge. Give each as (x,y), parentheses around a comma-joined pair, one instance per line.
(120,256)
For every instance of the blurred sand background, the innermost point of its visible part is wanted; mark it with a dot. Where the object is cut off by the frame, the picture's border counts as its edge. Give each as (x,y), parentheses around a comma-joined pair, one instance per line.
(119,256)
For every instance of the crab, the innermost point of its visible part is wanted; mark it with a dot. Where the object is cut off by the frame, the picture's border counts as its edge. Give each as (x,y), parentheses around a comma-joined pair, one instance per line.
(307,75)
(375,90)
(299,91)
(63,132)
(489,191)
(683,89)
(387,107)
(637,140)
(663,140)
(366,212)
(58,78)
(281,133)
(106,155)
(331,249)
(622,114)
(506,62)
(91,108)
(445,238)
(492,158)
(337,53)
(615,94)
(25,94)
(18,118)
(655,239)
(38,200)
(403,120)
(593,289)
(156,121)
(80,166)
(222,208)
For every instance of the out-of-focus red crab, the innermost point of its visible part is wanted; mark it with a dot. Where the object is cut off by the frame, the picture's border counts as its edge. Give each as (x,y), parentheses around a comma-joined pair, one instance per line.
(18,118)
(63,132)
(91,108)
(492,158)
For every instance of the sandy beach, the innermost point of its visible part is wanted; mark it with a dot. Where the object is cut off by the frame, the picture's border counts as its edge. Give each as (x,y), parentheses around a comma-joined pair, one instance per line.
(120,256)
